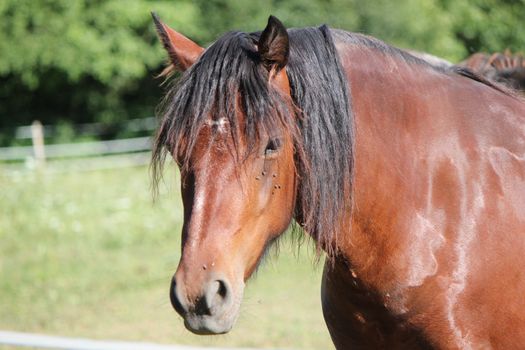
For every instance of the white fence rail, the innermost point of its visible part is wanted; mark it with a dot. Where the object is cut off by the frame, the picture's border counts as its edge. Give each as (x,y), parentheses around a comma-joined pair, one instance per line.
(83,149)
(91,129)
(91,155)
(63,343)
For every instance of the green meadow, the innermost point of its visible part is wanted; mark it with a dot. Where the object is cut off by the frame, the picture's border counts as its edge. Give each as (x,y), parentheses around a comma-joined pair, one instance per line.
(91,255)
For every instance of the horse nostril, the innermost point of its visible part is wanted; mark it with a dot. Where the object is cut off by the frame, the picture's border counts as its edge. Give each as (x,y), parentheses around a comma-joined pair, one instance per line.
(223,289)
(176,300)
(218,294)
(213,300)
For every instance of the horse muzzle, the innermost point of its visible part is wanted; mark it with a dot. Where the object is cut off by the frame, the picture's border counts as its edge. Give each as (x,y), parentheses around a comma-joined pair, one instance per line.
(212,311)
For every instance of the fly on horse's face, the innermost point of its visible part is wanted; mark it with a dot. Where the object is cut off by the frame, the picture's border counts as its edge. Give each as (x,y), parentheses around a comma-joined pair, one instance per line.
(238,194)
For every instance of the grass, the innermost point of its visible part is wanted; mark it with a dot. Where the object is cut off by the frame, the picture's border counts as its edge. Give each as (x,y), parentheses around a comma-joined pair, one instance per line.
(90,255)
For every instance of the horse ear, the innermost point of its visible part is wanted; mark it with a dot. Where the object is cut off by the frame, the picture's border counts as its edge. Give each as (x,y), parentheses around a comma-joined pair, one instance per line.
(274,46)
(183,52)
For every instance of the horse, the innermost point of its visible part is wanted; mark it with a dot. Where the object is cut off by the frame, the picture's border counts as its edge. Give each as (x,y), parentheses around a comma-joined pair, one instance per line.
(409,178)
(505,68)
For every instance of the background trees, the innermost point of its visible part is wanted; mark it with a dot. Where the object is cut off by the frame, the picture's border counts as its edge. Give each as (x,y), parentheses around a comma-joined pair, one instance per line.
(94,60)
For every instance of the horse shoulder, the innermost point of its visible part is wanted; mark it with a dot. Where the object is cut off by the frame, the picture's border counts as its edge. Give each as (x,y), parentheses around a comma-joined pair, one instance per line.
(358,318)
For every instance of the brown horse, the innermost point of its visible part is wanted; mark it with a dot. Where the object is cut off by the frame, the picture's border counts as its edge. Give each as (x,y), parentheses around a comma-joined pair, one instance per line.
(410,177)
(505,68)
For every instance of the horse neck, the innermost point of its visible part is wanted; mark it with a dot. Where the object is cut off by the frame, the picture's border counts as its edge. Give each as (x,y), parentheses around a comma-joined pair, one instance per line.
(387,93)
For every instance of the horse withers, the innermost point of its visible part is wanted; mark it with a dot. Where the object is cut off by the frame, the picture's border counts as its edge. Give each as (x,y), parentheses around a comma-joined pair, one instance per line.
(409,176)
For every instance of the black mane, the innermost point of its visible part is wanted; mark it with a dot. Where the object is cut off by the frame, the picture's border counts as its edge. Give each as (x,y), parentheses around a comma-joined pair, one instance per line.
(321,91)
(321,125)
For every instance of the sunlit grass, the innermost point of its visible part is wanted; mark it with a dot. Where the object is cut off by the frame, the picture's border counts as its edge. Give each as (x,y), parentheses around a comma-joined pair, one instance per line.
(90,255)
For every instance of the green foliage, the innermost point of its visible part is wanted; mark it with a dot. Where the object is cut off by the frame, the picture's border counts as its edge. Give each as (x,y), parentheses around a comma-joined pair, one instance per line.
(225,15)
(81,60)
(488,25)
(411,24)
(110,41)
(94,60)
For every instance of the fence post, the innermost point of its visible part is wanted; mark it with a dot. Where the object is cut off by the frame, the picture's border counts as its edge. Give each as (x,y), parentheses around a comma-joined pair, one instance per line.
(37,136)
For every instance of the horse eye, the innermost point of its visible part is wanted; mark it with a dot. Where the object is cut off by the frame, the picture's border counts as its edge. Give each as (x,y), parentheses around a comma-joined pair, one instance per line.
(272,146)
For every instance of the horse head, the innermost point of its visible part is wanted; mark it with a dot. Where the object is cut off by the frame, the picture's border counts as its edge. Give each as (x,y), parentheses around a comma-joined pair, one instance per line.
(229,125)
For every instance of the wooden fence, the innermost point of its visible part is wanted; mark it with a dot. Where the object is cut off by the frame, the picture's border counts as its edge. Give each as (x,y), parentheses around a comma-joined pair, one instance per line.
(89,155)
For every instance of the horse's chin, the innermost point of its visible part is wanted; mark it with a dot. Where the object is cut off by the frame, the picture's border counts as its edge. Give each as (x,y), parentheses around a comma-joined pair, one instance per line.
(206,325)
(210,324)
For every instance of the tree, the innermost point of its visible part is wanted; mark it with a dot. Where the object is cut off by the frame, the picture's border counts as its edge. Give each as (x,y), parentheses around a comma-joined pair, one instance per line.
(94,60)
(81,60)
(488,25)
